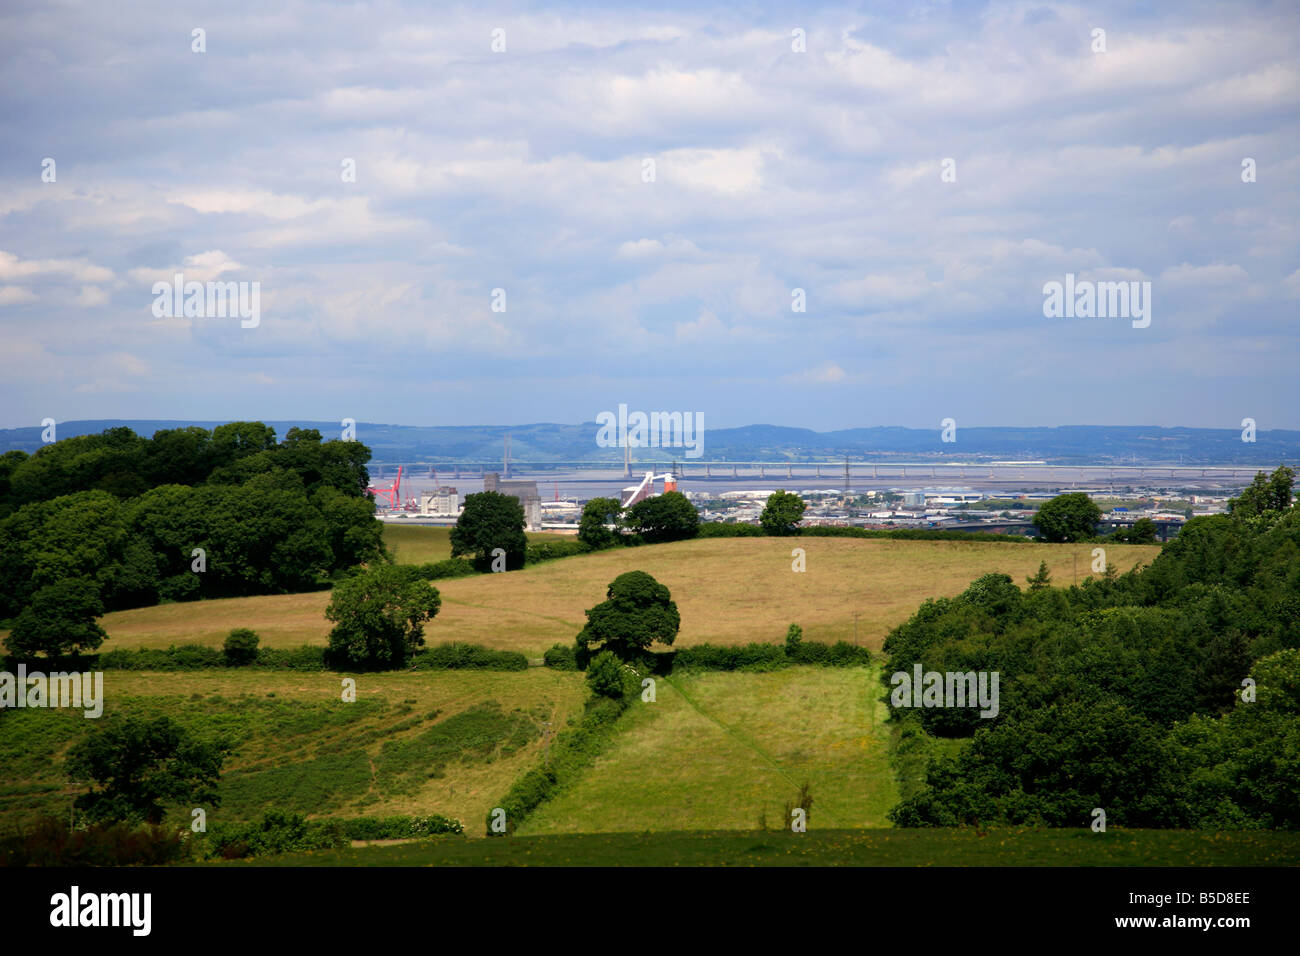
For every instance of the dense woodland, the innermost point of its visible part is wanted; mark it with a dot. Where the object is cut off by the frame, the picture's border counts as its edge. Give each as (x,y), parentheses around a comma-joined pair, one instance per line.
(103,522)
(1168,696)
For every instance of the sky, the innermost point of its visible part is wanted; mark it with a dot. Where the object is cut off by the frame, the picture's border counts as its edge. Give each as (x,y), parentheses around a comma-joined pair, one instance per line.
(649,188)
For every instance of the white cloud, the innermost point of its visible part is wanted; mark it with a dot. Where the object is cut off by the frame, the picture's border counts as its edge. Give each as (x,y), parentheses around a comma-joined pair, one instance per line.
(15,295)
(77,270)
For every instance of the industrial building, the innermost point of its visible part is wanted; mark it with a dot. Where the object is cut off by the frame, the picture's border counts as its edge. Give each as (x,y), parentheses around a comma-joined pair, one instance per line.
(443,500)
(525,491)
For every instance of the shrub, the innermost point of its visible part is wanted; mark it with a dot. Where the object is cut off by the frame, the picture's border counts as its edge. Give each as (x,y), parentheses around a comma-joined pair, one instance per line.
(717,658)
(572,751)
(459,655)
(449,568)
(398,828)
(607,677)
(723,529)
(561,657)
(276,832)
(550,550)
(241,647)
(51,842)
(793,637)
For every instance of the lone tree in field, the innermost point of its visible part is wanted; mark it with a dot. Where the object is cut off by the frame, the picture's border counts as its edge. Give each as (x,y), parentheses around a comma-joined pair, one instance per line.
(490,520)
(1068,517)
(59,620)
(596,514)
(639,611)
(782,513)
(379,616)
(136,767)
(240,647)
(666,517)
(1042,579)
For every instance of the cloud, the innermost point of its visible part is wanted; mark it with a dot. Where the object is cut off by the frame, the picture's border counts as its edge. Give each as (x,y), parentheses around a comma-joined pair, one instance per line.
(828,373)
(16,295)
(775,170)
(13,268)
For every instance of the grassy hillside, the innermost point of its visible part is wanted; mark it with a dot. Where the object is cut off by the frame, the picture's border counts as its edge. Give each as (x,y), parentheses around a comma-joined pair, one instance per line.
(729,590)
(446,742)
(1011,847)
(716,750)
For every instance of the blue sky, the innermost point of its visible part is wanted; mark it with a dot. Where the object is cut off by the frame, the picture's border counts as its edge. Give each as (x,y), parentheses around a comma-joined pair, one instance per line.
(774,170)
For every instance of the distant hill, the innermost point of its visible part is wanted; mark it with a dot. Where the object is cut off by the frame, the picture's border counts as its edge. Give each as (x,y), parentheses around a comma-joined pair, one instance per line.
(544,442)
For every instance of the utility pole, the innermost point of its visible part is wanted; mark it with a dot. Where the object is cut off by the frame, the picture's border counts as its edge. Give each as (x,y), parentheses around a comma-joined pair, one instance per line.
(1075,555)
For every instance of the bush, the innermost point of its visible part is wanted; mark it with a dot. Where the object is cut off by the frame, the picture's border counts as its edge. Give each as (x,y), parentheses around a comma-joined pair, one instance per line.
(398,828)
(183,657)
(723,529)
(241,647)
(550,550)
(765,657)
(449,568)
(177,657)
(607,677)
(712,657)
(458,655)
(276,832)
(793,638)
(561,657)
(572,751)
(51,842)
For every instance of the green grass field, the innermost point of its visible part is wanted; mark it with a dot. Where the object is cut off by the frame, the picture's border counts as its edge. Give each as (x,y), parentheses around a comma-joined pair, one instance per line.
(1010,847)
(447,742)
(717,750)
(729,591)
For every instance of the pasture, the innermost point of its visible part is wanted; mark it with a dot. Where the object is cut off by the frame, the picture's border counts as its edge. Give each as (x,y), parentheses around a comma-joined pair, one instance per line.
(728,590)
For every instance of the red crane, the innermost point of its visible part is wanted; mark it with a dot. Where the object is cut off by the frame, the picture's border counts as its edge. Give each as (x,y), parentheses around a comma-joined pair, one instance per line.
(391,494)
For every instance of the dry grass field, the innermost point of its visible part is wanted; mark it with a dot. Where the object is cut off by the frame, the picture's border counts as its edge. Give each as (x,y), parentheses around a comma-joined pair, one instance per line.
(729,591)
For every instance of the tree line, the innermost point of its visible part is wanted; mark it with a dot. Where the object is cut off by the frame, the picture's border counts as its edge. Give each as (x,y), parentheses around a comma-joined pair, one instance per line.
(1168,696)
(105,522)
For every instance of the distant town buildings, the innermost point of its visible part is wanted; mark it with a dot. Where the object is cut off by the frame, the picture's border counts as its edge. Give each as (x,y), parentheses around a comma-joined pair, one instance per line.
(525,491)
(441,501)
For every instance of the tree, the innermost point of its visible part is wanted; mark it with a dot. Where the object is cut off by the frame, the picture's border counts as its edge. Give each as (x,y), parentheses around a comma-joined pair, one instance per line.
(782,513)
(1142,532)
(666,517)
(490,520)
(135,767)
(240,647)
(597,514)
(1271,493)
(1068,517)
(638,611)
(59,619)
(793,638)
(607,676)
(379,616)
(236,440)
(1041,579)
